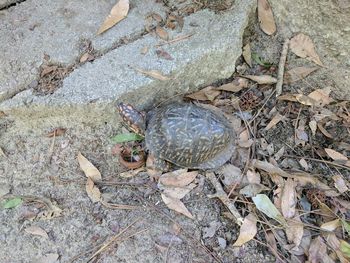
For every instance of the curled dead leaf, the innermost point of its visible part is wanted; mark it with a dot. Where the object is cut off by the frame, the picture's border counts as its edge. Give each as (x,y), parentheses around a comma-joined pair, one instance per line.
(288,199)
(236,85)
(92,191)
(118,13)
(38,231)
(321,96)
(302,46)
(276,119)
(208,93)
(178,178)
(266,19)
(247,54)
(262,79)
(88,168)
(248,230)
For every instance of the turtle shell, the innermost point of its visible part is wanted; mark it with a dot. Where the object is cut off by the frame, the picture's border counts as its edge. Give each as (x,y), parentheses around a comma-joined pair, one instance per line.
(189,136)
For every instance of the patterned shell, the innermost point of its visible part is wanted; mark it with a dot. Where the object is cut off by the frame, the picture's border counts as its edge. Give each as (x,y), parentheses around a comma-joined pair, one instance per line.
(189,136)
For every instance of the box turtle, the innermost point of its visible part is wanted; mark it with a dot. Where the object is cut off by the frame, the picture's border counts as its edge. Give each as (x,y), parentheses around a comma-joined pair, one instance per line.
(183,134)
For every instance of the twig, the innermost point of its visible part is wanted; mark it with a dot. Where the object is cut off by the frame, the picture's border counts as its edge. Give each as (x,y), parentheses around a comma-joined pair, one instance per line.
(220,193)
(175,40)
(281,65)
(119,206)
(317,160)
(108,243)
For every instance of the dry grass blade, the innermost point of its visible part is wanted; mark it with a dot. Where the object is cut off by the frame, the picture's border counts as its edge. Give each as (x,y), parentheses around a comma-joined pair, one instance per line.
(118,13)
(302,46)
(175,40)
(266,19)
(153,74)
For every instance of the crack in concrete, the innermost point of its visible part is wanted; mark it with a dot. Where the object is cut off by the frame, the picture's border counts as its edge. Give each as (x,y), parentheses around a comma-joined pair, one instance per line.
(11,4)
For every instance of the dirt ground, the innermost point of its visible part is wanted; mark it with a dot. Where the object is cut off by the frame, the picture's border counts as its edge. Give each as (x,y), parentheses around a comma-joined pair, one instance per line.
(40,168)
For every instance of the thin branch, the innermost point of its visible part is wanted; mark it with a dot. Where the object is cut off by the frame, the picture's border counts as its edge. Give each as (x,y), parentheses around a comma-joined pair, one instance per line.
(281,66)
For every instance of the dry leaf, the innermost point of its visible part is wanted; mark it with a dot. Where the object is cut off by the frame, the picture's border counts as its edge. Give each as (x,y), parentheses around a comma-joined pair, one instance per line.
(321,96)
(230,174)
(306,100)
(161,53)
(279,154)
(276,119)
(161,32)
(247,54)
(118,13)
(324,131)
(246,144)
(144,50)
(313,127)
(302,46)
(153,74)
(248,230)
(92,191)
(303,164)
(287,97)
(264,204)
(318,251)
(340,183)
(84,57)
(262,79)
(253,177)
(251,190)
(295,230)
(178,178)
(288,199)
(176,205)
(131,173)
(35,230)
(88,168)
(331,226)
(271,241)
(336,156)
(296,74)
(56,132)
(236,85)
(266,19)
(178,192)
(208,93)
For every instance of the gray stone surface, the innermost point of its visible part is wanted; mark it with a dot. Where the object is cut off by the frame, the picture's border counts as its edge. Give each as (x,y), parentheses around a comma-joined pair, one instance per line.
(328,24)
(88,92)
(5,3)
(57,28)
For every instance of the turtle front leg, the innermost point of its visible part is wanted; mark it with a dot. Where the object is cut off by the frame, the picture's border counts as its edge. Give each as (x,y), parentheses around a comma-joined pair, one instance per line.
(156,166)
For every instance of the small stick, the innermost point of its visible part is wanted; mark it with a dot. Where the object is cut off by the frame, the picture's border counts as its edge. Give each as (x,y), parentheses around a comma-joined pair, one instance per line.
(220,193)
(281,65)
(175,40)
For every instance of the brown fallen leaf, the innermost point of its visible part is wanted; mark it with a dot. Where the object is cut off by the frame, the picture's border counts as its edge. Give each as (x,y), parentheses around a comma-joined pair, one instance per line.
(266,19)
(331,225)
(161,53)
(287,97)
(131,173)
(56,132)
(38,231)
(340,183)
(236,85)
(248,230)
(92,191)
(288,199)
(153,74)
(305,100)
(262,79)
(178,178)
(302,46)
(295,230)
(304,164)
(88,168)
(251,190)
(321,96)
(324,131)
(298,73)
(318,251)
(208,93)
(272,244)
(162,33)
(230,174)
(253,177)
(276,119)
(247,54)
(47,69)
(176,205)
(118,13)
(336,156)
(313,127)
(178,192)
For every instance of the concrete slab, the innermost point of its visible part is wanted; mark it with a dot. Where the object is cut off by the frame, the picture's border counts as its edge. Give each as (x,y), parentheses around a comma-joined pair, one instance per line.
(88,92)
(31,30)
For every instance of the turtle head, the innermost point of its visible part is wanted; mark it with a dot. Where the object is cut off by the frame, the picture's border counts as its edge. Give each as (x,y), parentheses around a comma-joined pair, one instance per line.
(134,120)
